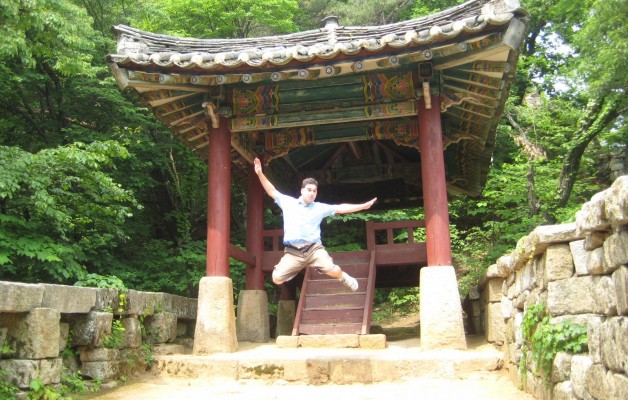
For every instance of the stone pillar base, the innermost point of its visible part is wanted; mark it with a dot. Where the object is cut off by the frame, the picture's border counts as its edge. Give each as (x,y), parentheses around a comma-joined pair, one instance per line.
(215,320)
(252,324)
(286,311)
(441,312)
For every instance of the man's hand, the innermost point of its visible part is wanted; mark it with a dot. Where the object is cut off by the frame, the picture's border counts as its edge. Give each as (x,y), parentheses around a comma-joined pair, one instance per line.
(369,203)
(258,166)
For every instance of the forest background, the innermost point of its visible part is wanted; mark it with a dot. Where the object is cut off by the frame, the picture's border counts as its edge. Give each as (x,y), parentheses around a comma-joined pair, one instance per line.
(94,191)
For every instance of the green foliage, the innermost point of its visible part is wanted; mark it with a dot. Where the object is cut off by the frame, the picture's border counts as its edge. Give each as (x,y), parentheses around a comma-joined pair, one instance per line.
(147,351)
(7,391)
(114,340)
(39,391)
(6,350)
(545,339)
(59,209)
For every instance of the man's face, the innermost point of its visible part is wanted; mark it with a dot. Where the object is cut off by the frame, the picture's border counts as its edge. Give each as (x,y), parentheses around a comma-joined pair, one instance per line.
(308,193)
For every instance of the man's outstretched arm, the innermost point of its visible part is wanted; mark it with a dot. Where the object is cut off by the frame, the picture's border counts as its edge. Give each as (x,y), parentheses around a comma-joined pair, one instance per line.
(268,187)
(346,208)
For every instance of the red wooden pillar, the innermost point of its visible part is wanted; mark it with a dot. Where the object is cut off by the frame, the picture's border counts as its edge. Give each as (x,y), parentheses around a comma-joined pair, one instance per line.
(254,230)
(219,200)
(438,241)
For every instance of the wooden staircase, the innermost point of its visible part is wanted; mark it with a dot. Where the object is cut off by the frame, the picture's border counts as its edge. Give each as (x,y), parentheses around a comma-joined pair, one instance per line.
(327,307)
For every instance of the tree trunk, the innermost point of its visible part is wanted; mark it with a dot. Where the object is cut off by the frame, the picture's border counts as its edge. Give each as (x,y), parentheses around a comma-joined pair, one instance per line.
(599,114)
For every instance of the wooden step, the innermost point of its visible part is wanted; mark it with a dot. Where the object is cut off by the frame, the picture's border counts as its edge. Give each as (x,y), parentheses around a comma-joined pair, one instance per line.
(330,329)
(355,270)
(354,315)
(327,286)
(328,301)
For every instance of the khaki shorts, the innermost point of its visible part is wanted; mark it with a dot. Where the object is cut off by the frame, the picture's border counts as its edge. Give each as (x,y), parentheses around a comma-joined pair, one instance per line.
(294,261)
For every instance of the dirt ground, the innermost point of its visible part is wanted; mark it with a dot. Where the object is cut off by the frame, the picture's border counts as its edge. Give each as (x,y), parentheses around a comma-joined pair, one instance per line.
(481,386)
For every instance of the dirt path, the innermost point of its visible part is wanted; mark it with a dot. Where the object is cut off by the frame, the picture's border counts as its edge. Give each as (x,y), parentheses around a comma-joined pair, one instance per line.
(480,386)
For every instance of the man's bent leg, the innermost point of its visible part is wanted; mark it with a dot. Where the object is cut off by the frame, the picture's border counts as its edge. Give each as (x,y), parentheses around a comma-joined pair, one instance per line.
(325,264)
(289,266)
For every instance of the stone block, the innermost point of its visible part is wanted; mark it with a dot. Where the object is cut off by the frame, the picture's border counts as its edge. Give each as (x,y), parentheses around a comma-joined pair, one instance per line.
(64,334)
(287,342)
(591,215)
(599,383)
(132,334)
(494,289)
(91,329)
(161,327)
(594,337)
(329,341)
(563,391)
(372,341)
(614,344)
(495,326)
(33,335)
(104,370)
(144,303)
(215,323)
(616,250)
(182,307)
(561,367)
(252,322)
(21,372)
(616,202)
(68,299)
(102,354)
(620,284)
(620,386)
(168,349)
(18,297)
(579,295)
(579,256)
(580,366)
(594,240)
(107,300)
(550,234)
(595,262)
(286,311)
(558,262)
(357,370)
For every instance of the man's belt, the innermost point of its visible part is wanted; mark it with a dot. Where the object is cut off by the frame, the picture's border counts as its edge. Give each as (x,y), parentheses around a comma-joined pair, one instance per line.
(302,249)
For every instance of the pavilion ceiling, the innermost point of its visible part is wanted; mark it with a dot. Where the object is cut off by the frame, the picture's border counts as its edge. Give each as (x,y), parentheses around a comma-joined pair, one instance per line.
(339,103)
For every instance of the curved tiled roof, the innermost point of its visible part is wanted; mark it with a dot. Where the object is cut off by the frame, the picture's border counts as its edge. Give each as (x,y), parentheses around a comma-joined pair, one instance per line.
(145,48)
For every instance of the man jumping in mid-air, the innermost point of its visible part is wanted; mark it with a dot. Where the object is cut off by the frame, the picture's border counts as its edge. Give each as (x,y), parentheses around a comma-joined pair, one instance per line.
(302,231)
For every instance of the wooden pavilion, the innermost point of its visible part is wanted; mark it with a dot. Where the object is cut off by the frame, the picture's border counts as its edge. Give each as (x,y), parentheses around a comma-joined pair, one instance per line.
(406,112)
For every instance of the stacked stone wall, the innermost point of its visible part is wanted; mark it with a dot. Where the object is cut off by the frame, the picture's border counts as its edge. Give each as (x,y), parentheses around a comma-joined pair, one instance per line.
(580,272)
(46,328)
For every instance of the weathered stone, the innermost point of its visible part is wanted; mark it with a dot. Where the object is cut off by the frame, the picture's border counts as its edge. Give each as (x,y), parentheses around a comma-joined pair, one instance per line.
(561,368)
(616,202)
(215,323)
(68,299)
(520,301)
(579,256)
(620,386)
(558,262)
(525,250)
(591,215)
(599,382)
(168,349)
(620,284)
(507,309)
(594,240)
(91,329)
(616,250)
(495,327)
(563,391)
(506,264)
(108,300)
(329,341)
(252,322)
(19,297)
(132,334)
(289,342)
(604,295)
(132,361)
(595,262)
(161,327)
(580,366)
(550,234)
(372,341)
(64,334)
(182,307)
(102,354)
(286,311)
(534,297)
(495,271)
(578,296)
(614,344)
(21,372)
(528,275)
(344,372)
(474,293)
(144,303)
(594,337)
(494,289)
(104,370)
(33,335)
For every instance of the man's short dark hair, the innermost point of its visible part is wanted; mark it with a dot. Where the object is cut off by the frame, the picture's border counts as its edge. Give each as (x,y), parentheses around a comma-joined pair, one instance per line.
(309,181)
